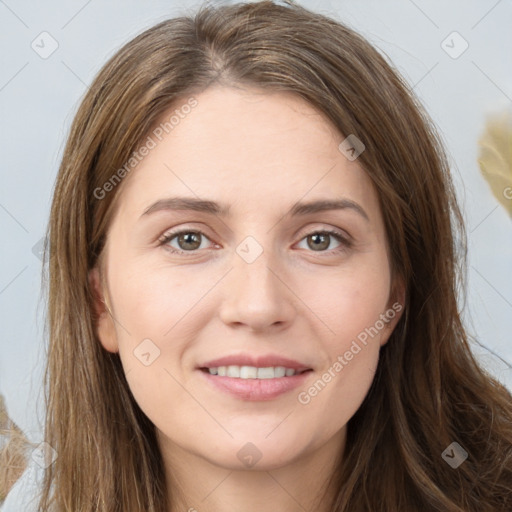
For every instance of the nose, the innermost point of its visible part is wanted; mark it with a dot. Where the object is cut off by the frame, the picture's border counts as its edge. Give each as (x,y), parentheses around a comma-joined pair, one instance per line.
(257,295)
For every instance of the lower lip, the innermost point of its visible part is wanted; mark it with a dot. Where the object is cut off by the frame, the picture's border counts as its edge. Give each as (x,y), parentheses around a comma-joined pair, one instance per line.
(255,389)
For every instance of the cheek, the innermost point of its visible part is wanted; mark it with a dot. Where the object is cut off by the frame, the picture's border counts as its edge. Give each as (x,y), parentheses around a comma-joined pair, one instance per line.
(159,313)
(352,355)
(154,302)
(338,390)
(350,304)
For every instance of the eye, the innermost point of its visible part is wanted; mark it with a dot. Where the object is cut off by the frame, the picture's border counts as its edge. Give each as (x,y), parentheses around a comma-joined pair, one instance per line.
(187,240)
(318,241)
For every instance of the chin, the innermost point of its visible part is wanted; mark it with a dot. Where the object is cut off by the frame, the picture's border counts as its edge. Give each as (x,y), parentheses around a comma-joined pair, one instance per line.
(254,452)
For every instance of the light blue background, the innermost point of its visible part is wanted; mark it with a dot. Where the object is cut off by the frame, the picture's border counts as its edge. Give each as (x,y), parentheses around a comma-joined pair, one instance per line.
(38,98)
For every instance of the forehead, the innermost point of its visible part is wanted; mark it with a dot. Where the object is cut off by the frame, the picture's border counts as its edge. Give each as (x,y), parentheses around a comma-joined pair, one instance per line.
(251,147)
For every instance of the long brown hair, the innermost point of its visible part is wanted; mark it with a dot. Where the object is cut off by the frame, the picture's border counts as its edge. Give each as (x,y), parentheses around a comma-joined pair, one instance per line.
(428,391)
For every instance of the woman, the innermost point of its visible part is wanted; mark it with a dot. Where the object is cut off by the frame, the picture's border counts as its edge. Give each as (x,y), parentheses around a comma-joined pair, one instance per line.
(306,351)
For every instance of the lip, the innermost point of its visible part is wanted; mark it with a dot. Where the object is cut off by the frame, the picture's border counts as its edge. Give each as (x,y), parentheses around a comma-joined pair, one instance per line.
(254,389)
(263,361)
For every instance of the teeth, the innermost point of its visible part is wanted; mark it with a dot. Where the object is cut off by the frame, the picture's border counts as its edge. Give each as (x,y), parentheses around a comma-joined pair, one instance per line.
(248,372)
(266,373)
(279,371)
(251,372)
(233,371)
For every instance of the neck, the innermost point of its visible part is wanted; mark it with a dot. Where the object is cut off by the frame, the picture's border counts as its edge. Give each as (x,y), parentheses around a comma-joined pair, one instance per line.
(197,484)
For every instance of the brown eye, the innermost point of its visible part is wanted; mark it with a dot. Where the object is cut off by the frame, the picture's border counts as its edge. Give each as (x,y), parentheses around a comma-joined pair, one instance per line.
(187,241)
(319,241)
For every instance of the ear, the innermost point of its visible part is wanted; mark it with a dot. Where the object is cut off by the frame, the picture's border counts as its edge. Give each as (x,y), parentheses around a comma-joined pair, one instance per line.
(104,323)
(394,311)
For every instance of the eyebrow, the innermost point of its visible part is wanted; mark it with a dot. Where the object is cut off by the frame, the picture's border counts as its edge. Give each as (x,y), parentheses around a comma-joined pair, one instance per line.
(214,208)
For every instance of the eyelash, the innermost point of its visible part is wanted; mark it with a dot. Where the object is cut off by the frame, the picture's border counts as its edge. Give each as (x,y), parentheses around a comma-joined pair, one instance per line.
(344,241)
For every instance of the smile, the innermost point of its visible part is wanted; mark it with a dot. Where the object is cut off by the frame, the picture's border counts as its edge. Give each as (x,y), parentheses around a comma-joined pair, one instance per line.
(273,381)
(252,372)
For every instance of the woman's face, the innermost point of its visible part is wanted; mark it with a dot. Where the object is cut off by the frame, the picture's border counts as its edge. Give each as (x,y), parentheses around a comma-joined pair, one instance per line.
(256,283)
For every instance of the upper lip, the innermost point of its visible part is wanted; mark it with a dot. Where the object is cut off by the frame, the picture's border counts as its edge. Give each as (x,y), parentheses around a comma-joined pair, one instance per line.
(262,361)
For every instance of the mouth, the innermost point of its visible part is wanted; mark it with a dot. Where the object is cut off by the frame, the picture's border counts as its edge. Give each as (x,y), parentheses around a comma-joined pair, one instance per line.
(251,378)
(248,366)
(253,372)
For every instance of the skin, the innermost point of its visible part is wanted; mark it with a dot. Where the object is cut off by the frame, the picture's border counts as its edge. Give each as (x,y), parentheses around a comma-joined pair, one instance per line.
(259,153)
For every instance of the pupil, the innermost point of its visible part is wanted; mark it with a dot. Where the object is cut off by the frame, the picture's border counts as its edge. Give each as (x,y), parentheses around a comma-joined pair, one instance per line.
(321,245)
(188,238)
